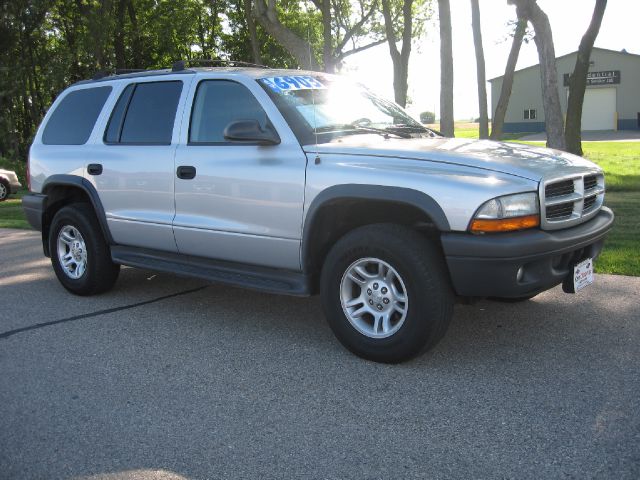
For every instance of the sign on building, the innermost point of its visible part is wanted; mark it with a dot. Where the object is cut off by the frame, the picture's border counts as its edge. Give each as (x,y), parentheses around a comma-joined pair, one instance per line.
(608,77)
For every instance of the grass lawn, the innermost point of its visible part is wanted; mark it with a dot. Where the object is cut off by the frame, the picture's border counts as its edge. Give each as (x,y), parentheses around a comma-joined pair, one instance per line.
(621,254)
(11,214)
(620,161)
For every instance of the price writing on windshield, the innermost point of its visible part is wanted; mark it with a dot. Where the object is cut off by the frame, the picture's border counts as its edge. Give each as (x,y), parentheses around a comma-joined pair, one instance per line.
(297,82)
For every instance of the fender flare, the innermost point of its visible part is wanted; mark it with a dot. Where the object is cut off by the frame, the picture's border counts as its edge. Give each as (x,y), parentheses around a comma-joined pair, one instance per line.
(64,180)
(400,195)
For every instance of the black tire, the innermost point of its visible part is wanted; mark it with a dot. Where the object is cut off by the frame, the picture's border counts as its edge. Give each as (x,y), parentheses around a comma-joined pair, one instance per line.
(4,190)
(100,273)
(420,264)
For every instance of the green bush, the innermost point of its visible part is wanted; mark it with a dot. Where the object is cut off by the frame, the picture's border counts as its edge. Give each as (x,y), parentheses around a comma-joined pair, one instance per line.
(428,117)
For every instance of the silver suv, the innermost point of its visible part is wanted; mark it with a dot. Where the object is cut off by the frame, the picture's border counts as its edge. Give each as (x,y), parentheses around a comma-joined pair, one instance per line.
(300,183)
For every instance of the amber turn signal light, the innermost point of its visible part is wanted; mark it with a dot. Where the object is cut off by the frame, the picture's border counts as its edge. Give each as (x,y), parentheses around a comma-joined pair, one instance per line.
(504,224)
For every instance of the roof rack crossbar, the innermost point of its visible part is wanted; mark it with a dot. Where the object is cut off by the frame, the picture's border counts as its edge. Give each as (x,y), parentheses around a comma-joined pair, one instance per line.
(181,64)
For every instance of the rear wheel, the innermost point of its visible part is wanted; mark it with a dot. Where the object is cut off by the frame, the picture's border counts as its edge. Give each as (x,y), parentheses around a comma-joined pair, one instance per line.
(385,292)
(80,255)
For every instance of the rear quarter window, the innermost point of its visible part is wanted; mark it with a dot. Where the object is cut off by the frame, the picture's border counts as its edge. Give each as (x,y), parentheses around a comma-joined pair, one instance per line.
(72,122)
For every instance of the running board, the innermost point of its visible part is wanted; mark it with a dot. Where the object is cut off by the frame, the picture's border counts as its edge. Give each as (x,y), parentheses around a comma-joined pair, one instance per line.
(264,279)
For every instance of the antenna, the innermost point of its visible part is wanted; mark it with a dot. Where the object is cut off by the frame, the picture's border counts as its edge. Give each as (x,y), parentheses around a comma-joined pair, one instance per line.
(313,97)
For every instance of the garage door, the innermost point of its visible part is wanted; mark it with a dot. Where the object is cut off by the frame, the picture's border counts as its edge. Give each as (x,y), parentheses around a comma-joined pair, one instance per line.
(599,109)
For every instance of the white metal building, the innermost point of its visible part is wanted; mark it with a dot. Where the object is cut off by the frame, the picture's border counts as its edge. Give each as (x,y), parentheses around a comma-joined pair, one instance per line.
(611,102)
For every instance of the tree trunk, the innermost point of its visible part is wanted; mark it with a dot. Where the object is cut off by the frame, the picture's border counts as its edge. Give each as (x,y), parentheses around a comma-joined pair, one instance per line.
(481,76)
(446,69)
(578,81)
(136,44)
(253,35)
(118,35)
(399,58)
(267,15)
(554,123)
(327,39)
(497,122)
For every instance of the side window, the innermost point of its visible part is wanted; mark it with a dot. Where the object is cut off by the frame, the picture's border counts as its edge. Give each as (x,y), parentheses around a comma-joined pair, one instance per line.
(144,114)
(114,128)
(73,119)
(216,105)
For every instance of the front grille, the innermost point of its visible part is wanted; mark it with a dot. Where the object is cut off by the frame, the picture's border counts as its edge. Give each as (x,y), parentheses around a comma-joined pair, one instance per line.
(568,201)
(557,189)
(562,210)
(590,181)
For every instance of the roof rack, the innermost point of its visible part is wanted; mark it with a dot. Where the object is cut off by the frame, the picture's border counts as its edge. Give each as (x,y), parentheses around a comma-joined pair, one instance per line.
(124,71)
(100,74)
(181,64)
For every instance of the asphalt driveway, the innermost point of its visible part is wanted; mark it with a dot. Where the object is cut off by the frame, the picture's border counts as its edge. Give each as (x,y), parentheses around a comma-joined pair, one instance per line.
(167,378)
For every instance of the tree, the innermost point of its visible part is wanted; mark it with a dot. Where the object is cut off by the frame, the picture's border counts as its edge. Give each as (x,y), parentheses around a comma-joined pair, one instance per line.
(481,77)
(253,32)
(554,123)
(343,31)
(497,121)
(578,81)
(399,58)
(446,69)
(267,15)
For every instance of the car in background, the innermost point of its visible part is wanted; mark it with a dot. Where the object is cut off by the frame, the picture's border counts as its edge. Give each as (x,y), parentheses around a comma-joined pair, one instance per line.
(8,184)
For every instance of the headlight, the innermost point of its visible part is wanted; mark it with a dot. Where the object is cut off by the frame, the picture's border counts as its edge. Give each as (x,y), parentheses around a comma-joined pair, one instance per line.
(508,213)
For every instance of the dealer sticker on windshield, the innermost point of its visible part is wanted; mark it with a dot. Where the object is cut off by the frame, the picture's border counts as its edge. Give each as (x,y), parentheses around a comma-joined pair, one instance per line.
(583,274)
(292,82)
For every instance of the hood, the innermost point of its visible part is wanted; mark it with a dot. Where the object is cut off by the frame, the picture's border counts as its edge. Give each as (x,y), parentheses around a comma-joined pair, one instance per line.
(533,163)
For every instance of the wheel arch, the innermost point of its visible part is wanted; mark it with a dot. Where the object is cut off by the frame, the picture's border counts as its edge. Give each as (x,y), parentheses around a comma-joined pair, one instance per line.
(62,190)
(341,208)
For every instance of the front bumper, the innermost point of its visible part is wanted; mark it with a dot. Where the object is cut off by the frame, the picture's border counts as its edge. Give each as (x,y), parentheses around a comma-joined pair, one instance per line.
(521,264)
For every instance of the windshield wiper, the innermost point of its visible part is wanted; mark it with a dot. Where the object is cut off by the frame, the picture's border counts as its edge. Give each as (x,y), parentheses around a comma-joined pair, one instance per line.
(351,128)
(414,128)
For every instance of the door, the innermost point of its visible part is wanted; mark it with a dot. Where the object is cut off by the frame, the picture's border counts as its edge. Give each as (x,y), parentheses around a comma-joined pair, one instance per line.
(238,202)
(132,168)
(599,109)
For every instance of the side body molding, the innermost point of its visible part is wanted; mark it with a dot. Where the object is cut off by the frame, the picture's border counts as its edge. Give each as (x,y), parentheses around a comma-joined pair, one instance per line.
(63,180)
(398,195)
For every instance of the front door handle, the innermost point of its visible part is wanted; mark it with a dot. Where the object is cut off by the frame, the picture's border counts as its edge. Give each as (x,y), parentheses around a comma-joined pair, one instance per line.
(94,169)
(186,172)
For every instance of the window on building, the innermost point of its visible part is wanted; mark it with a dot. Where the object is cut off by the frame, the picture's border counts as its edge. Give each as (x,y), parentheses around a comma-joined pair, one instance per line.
(73,120)
(530,114)
(217,104)
(145,114)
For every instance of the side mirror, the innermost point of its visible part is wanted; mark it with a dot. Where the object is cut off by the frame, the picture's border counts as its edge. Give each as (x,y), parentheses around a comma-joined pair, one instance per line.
(249,131)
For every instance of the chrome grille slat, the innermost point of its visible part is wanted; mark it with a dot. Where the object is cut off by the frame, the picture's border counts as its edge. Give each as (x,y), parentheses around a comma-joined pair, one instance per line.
(563,199)
(570,200)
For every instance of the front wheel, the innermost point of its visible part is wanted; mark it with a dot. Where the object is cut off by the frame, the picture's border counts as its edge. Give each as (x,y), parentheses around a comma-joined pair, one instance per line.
(80,256)
(4,190)
(386,293)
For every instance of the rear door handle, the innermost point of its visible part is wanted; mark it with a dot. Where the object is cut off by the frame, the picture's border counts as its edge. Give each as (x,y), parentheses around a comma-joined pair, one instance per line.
(94,169)
(186,172)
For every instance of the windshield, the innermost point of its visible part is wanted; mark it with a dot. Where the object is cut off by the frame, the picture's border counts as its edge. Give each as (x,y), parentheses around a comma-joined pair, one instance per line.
(334,106)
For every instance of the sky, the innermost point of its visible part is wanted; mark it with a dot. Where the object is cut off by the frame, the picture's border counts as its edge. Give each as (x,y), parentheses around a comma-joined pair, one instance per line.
(569,19)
